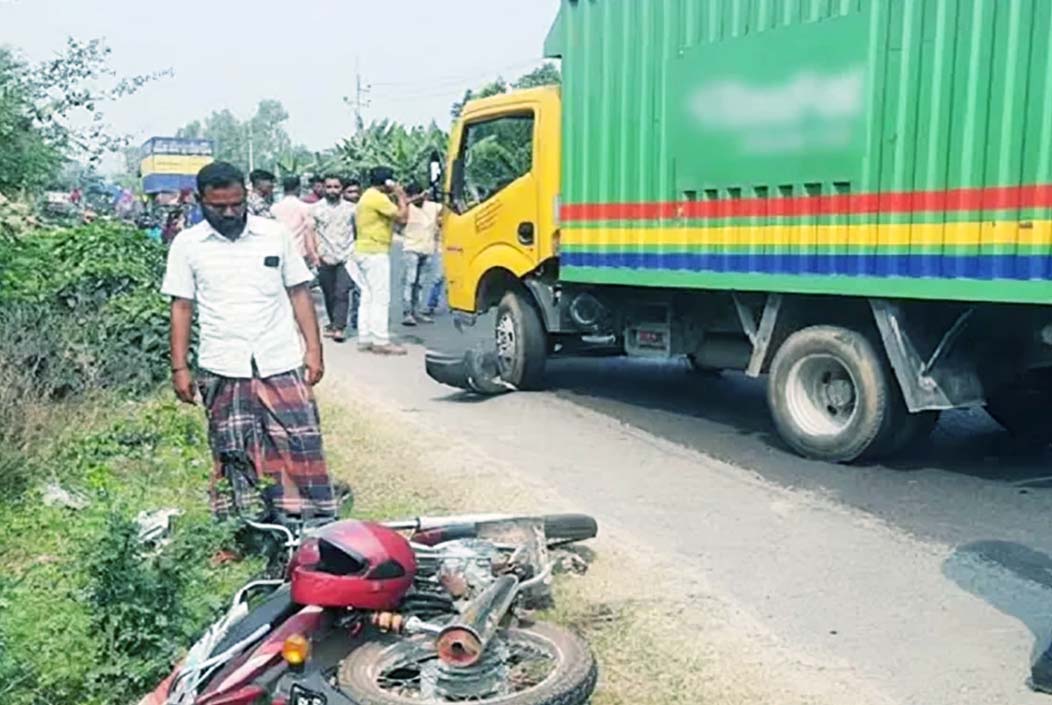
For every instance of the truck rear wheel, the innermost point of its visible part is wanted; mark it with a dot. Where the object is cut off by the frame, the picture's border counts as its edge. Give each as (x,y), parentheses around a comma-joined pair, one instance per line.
(829,393)
(522,342)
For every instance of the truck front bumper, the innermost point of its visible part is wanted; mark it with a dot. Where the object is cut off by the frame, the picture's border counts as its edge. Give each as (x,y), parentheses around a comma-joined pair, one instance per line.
(473,371)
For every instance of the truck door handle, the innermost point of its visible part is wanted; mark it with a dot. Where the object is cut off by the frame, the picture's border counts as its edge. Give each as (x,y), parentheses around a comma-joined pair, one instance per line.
(526,233)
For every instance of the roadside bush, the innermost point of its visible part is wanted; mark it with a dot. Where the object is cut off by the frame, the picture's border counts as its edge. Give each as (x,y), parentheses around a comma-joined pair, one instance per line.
(87,615)
(141,617)
(81,309)
(80,313)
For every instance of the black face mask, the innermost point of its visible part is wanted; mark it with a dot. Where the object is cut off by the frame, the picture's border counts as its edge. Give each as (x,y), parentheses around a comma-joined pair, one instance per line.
(229,226)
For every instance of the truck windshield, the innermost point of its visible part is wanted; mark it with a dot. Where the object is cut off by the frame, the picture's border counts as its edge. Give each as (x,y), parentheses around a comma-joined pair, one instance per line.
(495,153)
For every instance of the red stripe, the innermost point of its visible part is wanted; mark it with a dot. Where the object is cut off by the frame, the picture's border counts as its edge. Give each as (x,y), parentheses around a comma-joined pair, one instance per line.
(973,199)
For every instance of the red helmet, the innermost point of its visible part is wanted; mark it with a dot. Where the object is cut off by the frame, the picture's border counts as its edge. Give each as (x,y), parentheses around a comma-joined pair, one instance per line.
(358,564)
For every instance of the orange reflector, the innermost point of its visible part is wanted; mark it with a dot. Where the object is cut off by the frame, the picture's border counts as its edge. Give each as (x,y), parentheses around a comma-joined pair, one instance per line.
(295,650)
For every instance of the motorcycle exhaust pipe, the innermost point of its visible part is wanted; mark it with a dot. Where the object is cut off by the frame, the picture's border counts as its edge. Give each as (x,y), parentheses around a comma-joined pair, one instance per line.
(462,642)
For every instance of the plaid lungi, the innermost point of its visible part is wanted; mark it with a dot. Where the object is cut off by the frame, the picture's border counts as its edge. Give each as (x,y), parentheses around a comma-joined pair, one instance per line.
(274,422)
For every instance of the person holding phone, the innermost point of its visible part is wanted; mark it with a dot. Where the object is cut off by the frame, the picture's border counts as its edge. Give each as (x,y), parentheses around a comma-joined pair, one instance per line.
(421,236)
(377,215)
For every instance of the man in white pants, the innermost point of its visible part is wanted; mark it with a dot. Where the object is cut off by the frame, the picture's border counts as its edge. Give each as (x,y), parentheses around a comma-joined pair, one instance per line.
(376,217)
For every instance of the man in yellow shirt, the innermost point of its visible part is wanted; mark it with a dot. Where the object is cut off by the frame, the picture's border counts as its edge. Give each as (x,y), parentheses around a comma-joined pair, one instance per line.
(376,217)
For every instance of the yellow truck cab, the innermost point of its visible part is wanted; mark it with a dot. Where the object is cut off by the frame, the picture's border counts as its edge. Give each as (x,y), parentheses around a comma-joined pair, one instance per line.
(503,181)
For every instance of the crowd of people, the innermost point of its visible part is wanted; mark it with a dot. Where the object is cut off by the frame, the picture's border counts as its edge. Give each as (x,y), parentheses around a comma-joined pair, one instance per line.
(345,235)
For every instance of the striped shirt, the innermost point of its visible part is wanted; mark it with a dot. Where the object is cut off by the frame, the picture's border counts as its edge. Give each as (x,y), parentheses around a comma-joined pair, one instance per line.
(334,225)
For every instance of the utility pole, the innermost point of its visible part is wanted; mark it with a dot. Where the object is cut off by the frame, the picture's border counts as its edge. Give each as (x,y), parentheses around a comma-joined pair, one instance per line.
(360,91)
(251,150)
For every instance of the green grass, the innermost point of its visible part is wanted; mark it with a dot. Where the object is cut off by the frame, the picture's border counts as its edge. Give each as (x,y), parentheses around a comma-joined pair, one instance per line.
(83,617)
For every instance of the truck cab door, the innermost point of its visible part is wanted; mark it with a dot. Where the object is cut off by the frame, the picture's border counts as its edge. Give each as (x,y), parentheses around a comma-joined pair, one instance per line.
(492,220)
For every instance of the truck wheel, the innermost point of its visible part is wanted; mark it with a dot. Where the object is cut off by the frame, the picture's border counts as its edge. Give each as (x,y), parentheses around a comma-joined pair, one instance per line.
(522,342)
(829,393)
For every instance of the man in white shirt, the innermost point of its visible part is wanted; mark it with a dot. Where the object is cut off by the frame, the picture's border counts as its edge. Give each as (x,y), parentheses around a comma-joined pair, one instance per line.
(334,225)
(421,236)
(295,215)
(260,350)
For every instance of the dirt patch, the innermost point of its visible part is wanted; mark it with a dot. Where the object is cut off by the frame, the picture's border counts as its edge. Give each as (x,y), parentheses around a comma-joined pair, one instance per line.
(658,641)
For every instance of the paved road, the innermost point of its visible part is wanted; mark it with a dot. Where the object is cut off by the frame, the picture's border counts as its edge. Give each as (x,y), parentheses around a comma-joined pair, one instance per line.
(974,513)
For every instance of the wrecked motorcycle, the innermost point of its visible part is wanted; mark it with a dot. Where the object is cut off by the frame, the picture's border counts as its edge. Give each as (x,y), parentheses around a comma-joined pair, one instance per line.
(396,613)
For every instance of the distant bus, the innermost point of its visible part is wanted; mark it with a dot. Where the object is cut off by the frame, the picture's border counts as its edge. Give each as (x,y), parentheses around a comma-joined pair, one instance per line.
(170,164)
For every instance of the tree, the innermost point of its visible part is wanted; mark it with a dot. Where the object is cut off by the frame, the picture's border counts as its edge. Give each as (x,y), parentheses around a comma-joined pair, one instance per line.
(28,157)
(545,75)
(493,88)
(406,150)
(191,131)
(266,129)
(262,140)
(53,111)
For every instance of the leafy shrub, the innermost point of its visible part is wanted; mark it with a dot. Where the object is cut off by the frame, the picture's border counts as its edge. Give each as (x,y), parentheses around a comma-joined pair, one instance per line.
(80,312)
(140,616)
(81,308)
(86,616)
(86,265)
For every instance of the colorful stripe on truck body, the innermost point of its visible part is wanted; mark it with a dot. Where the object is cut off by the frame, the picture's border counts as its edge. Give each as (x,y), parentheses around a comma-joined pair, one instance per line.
(981,244)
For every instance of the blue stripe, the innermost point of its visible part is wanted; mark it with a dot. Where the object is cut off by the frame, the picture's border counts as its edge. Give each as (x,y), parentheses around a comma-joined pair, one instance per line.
(156,183)
(1018,267)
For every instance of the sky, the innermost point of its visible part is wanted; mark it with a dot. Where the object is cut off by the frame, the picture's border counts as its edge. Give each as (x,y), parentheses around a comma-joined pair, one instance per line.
(416,56)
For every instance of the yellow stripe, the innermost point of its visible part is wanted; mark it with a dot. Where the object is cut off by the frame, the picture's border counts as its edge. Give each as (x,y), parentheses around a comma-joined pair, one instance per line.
(173,164)
(902,235)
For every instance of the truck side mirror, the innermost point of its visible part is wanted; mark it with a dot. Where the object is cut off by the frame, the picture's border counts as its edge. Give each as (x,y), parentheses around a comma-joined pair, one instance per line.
(435,176)
(457,182)
(435,168)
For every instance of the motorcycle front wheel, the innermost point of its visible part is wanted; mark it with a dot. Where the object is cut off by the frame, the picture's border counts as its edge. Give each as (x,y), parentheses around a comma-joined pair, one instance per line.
(540,665)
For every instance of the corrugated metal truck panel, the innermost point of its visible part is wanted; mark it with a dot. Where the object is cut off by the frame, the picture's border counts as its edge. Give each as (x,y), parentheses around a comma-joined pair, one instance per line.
(870,147)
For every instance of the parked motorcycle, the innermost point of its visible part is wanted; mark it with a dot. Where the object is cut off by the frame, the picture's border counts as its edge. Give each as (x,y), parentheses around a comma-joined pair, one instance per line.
(426,610)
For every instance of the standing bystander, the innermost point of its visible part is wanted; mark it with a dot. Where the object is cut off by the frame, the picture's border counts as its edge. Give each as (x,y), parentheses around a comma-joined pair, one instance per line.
(261,197)
(352,191)
(376,218)
(334,225)
(260,352)
(421,237)
(296,216)
(317,190)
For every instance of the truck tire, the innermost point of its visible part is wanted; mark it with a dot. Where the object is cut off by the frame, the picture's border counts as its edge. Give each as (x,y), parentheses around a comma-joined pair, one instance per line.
(830,394)
(522,342)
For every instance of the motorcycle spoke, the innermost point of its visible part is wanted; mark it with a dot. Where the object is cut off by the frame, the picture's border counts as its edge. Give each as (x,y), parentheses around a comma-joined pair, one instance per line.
(415,674)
